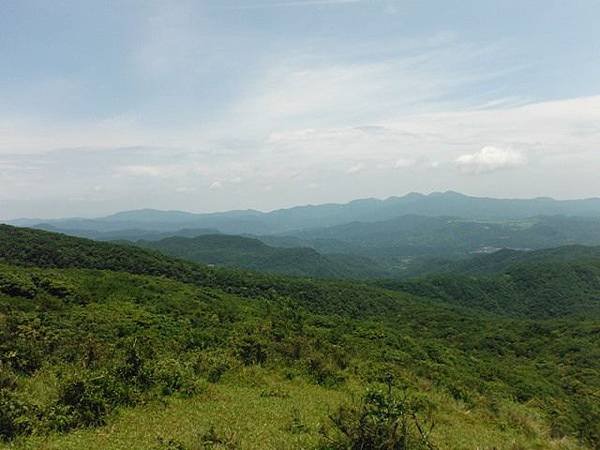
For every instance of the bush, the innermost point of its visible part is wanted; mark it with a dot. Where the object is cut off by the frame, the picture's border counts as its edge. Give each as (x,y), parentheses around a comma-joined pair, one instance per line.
(172,376)
(213,365)
(251,351)
(15,416)
(297,425)
(55,286)
(382,421)
(85,400)
(24,342)
(133,371)
(8,380)
(17,285)
(85,403)
(323,372)
(214,439)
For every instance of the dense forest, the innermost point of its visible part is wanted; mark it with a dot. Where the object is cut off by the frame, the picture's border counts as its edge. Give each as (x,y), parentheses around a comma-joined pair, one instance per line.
(102,344)
(251,253)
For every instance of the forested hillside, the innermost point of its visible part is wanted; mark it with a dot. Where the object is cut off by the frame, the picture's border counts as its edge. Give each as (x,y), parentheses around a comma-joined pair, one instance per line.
(253,254)
(535,290)
(328,240)
(397,241)
(102,344)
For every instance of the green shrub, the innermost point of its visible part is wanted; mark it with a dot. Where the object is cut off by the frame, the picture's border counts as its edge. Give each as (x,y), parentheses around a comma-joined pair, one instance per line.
(213,365)
(382,421)
(172,376)
(215,439)
(134,370)
(8,379)
(85,403)
(297,425)
(56,286)
(251,350)
(24,342)
(17,285)
(169,444)
(15,416)
(86,399)
(323,372)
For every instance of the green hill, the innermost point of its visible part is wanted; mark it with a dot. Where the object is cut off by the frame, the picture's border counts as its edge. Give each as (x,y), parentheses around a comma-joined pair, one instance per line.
(250,253)
(110,346)
(556,282)
(400,247)
(501,260)
(395,240)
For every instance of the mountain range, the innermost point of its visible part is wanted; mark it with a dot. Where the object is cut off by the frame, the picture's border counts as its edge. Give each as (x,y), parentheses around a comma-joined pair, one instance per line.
(394,238)
(302,217)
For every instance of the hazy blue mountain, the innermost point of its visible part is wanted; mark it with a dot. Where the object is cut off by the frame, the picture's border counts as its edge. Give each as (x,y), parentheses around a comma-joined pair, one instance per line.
(128,234)
(399,241)
(405,245)
(311,216)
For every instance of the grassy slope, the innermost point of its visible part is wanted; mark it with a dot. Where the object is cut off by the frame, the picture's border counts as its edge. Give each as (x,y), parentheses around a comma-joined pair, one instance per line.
(246,418)
(462,374)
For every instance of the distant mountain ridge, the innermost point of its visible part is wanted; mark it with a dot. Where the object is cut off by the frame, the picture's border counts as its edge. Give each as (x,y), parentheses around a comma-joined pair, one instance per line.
(133,234)
(311,216)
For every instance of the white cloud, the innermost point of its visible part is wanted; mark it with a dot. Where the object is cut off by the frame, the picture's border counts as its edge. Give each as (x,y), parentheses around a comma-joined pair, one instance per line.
(216,185)
(307,88)
(490,159)
(355,168)
(403,163)
(150,171)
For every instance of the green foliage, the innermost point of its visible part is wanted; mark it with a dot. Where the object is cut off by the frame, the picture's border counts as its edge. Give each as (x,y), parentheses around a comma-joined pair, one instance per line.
(382,421)
(251,350)
(16,416)
(83,401)
(88,342)
(539,288)
(17,285)
(212,438)
(253,254)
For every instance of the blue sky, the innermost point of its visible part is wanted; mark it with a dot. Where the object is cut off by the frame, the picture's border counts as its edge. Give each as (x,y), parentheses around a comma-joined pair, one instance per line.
(214,105)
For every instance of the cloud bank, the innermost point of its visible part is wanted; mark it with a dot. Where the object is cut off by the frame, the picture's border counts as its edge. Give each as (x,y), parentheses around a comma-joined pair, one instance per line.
(490,159)
(202,108)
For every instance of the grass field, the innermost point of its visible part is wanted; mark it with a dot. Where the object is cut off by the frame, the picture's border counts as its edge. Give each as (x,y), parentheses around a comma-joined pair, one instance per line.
(256,409)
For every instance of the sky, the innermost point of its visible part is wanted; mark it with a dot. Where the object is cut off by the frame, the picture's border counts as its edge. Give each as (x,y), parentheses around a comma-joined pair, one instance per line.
(220,104)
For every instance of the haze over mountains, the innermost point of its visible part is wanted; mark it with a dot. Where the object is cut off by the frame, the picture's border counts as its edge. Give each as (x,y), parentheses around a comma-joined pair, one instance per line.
(301,217)
(368,238)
